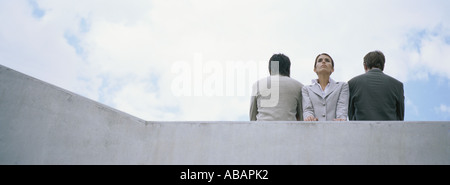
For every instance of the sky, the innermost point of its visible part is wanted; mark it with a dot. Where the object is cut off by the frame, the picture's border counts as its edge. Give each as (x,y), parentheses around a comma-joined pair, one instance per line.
(196,60)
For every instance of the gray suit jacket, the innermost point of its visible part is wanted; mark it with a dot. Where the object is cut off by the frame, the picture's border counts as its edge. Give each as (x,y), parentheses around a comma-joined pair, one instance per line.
(376,96)
(326,107)
(287,96)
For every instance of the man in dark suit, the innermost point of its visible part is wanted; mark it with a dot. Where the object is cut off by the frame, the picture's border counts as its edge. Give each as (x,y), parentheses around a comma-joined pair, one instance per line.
(375,95)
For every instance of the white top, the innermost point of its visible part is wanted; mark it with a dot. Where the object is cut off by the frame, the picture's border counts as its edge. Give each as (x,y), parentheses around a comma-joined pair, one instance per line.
(327,88)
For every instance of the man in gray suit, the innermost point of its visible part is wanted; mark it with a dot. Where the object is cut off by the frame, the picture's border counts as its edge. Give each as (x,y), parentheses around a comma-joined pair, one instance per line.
(277,97)
(375,95)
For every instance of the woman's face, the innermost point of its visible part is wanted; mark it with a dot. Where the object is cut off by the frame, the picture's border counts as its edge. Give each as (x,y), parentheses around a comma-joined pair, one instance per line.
(324,65)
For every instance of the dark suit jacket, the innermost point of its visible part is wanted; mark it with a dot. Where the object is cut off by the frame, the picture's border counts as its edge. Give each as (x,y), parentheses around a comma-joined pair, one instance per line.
(376,96)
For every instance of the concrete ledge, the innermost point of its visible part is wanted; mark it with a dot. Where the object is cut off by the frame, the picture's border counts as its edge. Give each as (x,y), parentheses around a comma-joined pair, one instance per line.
(44,124)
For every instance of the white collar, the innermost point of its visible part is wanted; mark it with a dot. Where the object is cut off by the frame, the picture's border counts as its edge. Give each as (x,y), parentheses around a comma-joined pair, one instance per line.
(316,81)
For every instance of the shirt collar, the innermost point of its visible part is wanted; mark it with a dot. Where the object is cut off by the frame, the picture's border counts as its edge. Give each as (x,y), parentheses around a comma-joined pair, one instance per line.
(375,70)
(316,81)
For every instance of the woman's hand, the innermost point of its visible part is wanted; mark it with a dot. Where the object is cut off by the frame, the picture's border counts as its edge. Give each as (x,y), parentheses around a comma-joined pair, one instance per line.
(311,118)
(339,119)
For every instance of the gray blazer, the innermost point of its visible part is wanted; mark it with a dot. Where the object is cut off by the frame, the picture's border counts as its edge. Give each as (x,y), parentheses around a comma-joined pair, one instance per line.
(376,96)
(326,107)
(287,102)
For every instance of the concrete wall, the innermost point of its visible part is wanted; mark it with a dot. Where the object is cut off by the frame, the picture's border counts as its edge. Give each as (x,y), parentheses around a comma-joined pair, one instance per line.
(44,124)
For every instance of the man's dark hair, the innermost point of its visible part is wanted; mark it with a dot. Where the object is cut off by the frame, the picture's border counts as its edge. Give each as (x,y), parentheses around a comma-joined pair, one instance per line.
(284,65)
(332,62)
(374,59)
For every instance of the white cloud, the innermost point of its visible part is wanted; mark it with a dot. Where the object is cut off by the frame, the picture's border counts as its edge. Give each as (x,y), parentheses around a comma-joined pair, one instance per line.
(435,53)
(141,99)
(445,109)
(411,107)
(128,48)
(36,46)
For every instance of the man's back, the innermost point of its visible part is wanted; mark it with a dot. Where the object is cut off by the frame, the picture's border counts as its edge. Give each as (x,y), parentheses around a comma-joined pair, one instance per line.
(286,107)
(376,96)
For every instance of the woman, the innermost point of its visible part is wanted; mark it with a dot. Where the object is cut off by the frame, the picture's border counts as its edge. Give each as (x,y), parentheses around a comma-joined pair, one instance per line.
(325,99)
